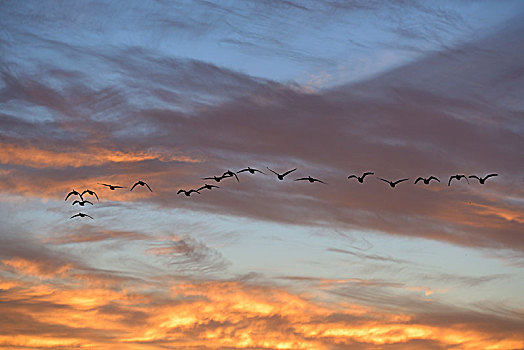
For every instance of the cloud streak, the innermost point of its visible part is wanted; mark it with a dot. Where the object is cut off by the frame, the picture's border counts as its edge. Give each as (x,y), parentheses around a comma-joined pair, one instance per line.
(388,124)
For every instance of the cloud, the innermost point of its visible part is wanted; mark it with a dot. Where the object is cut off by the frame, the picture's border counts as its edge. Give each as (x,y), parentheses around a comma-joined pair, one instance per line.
(369,256)
(90,233)
(188,255)
(440,114)
(231,314)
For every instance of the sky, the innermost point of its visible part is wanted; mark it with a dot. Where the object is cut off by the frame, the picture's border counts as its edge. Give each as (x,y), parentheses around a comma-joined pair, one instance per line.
(113,92)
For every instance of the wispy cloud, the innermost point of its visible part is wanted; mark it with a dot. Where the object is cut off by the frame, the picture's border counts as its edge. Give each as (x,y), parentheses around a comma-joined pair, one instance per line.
(389,124)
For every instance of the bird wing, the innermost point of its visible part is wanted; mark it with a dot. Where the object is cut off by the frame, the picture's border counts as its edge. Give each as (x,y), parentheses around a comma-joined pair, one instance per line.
(201,188)
(192,190)
(274,172)
(89,216)
(450,178)
(490,175)
(75,202)
(241,171)
(384,180)
(133,186)
(148,187)
(104,184)
(259,171)
(399,181)
(418,179)
(74,216)
(317,180)
(236,177)
(180,191)
(302,178)
(474,177)
(88,202)
(96,195)
(352,176)
(367,173)
(434,178)
(289,171)
(70,193)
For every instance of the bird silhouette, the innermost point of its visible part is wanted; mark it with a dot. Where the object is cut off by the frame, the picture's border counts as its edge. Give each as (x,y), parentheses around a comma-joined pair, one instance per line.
(207,187)
(73,192)
(141,183)
(310,179)
(230,173)
(457,177)
(281,176)
(187,193)
(82,215)
(216,178)
(92,193)
(393,183)
(251,171)
(426,181)
(361,178)
(82,203)
(111,187)
(482,179)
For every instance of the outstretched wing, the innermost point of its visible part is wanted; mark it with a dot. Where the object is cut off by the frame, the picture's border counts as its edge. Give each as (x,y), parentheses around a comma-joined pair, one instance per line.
(474,177)
(70,193)
(433,178)
(148,187)
(418,179)
(89,216)
(74,216)
(192,190)
(274,172)
(451,178)
(241,171)
(235,175)
(75,202)
(289,171)
(490,175)
(88,202)
(383,180)
(317,180)
(367,173)
(352,176)
(255,170)
(180,191)
(133,186)
(399,181)
(302,178)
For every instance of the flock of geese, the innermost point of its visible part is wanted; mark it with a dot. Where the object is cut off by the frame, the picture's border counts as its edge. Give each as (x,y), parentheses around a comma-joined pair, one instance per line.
(82,202)
(280,176)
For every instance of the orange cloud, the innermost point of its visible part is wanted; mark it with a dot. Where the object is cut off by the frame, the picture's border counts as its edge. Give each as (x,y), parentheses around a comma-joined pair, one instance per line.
(76,312)
(32,268)
(87,156)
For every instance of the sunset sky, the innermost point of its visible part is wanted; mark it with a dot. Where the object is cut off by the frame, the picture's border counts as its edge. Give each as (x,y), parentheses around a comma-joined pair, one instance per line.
(170,92)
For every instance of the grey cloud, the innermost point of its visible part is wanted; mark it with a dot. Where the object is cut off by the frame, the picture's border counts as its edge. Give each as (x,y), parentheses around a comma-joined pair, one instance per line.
(439,115)
(186,255)
(375,257)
